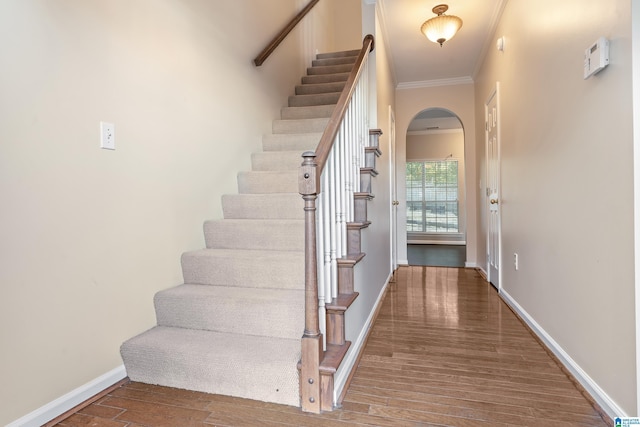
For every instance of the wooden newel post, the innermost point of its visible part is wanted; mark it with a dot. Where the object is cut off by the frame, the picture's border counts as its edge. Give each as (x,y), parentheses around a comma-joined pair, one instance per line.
(308,184)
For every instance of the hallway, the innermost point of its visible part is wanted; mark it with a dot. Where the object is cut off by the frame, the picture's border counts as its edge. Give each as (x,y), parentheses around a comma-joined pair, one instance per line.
(444,350)
(437,255)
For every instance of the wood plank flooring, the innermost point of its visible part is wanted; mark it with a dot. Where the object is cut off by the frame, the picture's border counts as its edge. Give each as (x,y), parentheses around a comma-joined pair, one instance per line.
(444,351)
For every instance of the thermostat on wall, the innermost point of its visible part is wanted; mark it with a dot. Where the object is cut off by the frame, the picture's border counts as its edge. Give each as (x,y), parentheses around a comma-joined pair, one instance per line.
(596,57)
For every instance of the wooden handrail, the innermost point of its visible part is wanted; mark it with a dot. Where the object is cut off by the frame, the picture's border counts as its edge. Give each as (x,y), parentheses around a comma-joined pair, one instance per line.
(282,34)
(330,132)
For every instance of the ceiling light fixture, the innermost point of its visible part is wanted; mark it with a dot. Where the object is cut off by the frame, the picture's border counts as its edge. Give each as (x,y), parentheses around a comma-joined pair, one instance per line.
(442,27)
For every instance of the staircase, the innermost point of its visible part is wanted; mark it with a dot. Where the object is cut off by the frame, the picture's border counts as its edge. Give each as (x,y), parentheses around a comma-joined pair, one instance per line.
(234,327)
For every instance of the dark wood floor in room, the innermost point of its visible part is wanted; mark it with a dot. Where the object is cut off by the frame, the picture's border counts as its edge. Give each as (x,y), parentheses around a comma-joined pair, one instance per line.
(444,351)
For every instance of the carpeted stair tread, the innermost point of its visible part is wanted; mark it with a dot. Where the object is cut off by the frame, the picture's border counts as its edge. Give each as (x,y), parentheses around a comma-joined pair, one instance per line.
(308,112)
(263,206)
(252,367)
(265,234)
(317,88)
(340,54)
(262,182)
(291,142)
(314,99)
(230,309)
(334,61)
(300,125)
(234,327)
(325,78)
(244,268)
(329,69)
(276,160)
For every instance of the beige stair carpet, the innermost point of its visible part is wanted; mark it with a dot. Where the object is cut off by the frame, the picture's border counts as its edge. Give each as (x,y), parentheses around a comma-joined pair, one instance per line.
(234,326)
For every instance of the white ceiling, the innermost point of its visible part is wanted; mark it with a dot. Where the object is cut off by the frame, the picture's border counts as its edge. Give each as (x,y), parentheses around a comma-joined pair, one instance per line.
(420,62)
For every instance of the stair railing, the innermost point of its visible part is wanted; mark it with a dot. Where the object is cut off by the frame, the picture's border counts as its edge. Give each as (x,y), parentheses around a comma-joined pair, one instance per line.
(273,44)
(330,175)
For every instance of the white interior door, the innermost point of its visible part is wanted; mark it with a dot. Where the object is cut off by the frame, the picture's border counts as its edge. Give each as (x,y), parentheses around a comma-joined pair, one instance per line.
(492,117)
(393,191)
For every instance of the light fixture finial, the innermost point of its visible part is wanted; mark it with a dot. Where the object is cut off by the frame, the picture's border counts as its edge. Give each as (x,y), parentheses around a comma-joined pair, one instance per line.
(441,28)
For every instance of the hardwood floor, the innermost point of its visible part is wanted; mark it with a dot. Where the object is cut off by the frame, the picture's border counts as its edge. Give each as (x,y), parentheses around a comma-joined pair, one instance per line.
(444,350)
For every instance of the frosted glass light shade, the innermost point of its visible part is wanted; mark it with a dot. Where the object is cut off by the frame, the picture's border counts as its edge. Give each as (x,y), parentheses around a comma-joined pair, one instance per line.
(441,28)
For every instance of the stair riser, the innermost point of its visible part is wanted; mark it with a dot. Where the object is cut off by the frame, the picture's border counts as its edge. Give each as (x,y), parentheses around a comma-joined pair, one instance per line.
(335,331)
(314,99)
(314,89)
(255,234)
(334,61)
(276,161)
(342,54)
(299,126)
(258,269)
(291,142)
(360,202)
(325,78)
(366,176)
(267,182)
(308,112)
(354,238)
(370,156)
(259,206)
(345,278)
(330,69)
(249,367)
(187,306)
(335,327)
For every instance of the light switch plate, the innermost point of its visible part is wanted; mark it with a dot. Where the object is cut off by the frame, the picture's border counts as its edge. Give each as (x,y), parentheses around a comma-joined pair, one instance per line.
(107,136)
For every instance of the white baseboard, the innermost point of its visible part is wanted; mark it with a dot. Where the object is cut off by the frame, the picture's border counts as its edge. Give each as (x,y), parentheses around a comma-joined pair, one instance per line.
(403,262)
(70,400)
(471,265)
(599,395)
(340,378)
(482,272)
(437,242)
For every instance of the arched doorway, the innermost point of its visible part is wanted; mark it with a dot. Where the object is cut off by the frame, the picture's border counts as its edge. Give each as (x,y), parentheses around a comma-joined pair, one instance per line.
(435,189)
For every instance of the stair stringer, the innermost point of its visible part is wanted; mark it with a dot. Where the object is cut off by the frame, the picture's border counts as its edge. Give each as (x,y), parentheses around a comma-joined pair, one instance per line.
(337,347)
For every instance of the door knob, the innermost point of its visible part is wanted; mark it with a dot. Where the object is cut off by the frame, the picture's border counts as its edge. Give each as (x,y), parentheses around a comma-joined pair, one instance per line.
(395,203)
(493,201)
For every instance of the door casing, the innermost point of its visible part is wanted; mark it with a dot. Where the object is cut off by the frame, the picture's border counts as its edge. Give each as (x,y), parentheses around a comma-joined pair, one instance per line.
(492,192)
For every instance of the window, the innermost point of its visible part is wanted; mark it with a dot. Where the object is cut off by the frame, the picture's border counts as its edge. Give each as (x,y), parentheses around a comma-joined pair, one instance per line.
(432,196)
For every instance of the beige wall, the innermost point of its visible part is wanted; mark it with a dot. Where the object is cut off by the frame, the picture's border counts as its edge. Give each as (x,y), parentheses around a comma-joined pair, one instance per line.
(435,146)
(458,99)
(567,181)
(332,25)
(438,146)
(347,23)
(87,236)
